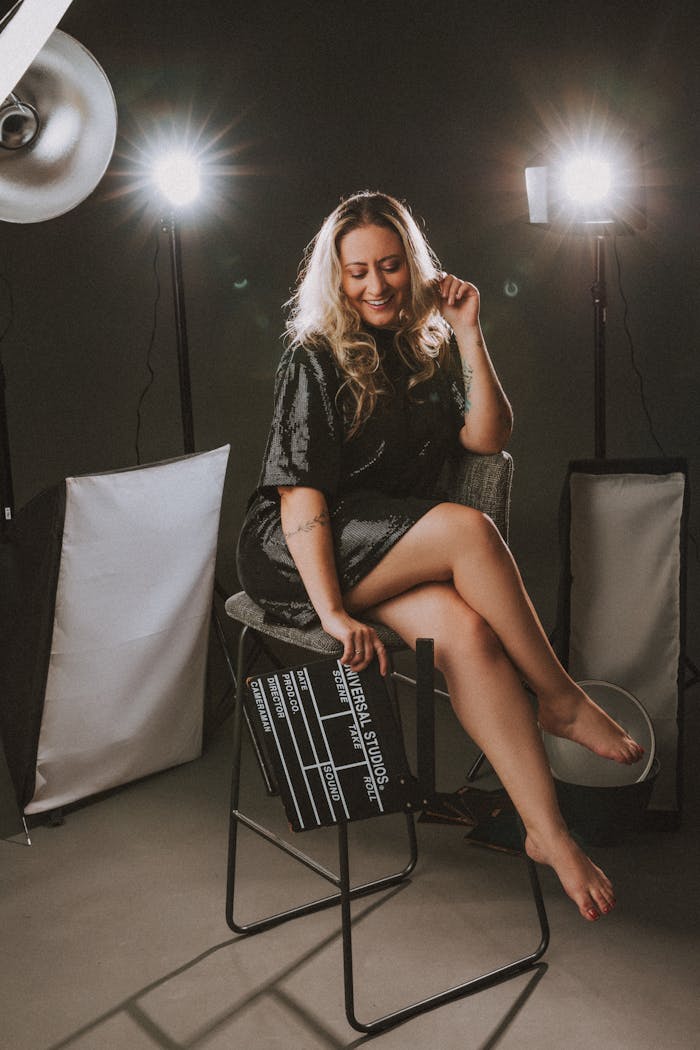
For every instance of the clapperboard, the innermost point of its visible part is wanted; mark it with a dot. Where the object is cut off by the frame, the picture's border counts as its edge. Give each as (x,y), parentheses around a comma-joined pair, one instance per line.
(333,740)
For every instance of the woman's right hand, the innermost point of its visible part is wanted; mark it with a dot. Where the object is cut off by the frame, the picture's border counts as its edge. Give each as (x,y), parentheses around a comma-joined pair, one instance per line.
(360,641)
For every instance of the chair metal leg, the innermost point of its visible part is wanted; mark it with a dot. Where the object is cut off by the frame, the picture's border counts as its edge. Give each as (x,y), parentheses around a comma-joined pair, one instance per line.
(237,817)
(475,984)
(425,718)
(237,676)
(309,907)
(426,776)
(474,769)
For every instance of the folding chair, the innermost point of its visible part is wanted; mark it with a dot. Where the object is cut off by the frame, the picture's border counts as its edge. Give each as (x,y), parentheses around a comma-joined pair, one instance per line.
(482,481)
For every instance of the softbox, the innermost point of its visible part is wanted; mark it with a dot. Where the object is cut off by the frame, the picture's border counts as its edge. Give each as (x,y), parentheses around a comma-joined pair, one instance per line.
(107,585)
(622,596)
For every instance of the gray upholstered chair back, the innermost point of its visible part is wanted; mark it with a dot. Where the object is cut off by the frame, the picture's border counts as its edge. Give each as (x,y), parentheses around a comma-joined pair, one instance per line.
(479,481)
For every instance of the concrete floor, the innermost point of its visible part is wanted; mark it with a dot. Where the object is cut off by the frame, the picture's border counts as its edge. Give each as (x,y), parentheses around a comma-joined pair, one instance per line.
(114,937)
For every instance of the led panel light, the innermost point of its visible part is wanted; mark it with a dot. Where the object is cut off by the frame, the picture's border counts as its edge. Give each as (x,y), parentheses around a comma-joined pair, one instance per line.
(588,188)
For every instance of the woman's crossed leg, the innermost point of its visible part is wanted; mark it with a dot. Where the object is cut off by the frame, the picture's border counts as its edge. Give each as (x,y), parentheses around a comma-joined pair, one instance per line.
(461,545)
(494,709)
(451,577)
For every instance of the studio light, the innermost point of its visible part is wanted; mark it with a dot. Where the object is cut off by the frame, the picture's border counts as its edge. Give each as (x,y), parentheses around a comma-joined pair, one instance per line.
(574,192)
(590,184)
(574,188)
(178,177)
(181,168)
(58,128)
(587,179)
(58,125)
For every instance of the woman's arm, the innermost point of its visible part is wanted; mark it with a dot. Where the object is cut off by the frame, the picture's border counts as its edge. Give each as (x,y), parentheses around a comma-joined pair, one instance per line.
(306,526)
(488,419)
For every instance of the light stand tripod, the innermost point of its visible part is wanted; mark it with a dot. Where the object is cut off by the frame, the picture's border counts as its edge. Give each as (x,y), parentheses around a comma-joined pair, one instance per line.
(170,226)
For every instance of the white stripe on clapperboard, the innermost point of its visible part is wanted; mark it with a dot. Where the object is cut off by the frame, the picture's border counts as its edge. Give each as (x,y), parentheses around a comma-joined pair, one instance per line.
(319,762)
(328,749)
(370,768)
(327,718)
(302,767)
(281,754)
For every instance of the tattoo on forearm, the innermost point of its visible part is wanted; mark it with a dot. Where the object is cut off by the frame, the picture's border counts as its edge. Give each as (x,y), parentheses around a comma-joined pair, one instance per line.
(467,376)
(321,519)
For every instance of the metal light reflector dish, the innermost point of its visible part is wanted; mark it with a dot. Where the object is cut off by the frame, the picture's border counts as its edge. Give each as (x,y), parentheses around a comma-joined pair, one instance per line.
(69,154)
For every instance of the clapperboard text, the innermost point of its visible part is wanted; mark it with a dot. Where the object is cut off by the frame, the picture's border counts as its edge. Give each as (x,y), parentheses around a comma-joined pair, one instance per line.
(346,678)
(325,735)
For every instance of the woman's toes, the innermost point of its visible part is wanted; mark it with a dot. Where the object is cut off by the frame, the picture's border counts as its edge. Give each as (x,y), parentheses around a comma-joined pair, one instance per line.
(598,903)
(583,881)
(602,892)
(634,751)
(604,903)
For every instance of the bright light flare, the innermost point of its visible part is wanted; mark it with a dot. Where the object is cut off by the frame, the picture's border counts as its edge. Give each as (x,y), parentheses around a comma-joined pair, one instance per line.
(173,161)
(587,179)
(177,176)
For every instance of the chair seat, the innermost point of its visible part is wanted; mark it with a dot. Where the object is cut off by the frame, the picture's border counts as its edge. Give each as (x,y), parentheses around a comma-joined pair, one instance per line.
(242,608)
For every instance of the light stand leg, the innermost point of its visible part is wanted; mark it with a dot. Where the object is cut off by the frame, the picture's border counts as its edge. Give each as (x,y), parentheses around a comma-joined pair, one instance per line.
(183,358)
(600,304)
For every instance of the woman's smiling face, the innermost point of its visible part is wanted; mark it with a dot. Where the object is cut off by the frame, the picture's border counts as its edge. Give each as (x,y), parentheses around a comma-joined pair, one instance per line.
(375,272)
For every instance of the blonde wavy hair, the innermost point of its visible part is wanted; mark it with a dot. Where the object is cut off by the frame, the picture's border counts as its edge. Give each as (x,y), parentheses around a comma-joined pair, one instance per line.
(320,315)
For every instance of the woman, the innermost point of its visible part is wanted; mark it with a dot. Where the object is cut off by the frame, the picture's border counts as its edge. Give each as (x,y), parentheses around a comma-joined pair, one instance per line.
(345,526)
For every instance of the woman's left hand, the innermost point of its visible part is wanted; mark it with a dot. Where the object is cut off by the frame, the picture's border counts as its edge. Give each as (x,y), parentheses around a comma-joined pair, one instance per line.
(459,302)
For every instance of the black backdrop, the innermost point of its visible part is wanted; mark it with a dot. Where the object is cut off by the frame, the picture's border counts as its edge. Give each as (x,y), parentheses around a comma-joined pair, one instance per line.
(440,103)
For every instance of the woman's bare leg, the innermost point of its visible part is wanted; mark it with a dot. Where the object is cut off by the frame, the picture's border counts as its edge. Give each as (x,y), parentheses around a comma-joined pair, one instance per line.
(461,545)
(493,708)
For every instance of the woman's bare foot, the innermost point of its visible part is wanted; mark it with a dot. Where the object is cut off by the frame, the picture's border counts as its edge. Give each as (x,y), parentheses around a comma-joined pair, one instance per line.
(589,887)
(576,717)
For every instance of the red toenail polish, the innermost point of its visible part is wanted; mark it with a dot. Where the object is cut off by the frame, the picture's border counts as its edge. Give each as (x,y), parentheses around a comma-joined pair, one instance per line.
(593,913)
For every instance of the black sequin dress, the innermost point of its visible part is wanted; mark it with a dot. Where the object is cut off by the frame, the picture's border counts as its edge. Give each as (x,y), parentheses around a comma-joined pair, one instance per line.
(377,484)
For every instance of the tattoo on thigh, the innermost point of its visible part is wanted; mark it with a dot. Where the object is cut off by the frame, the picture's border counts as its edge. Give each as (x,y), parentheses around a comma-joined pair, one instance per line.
(321,519)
